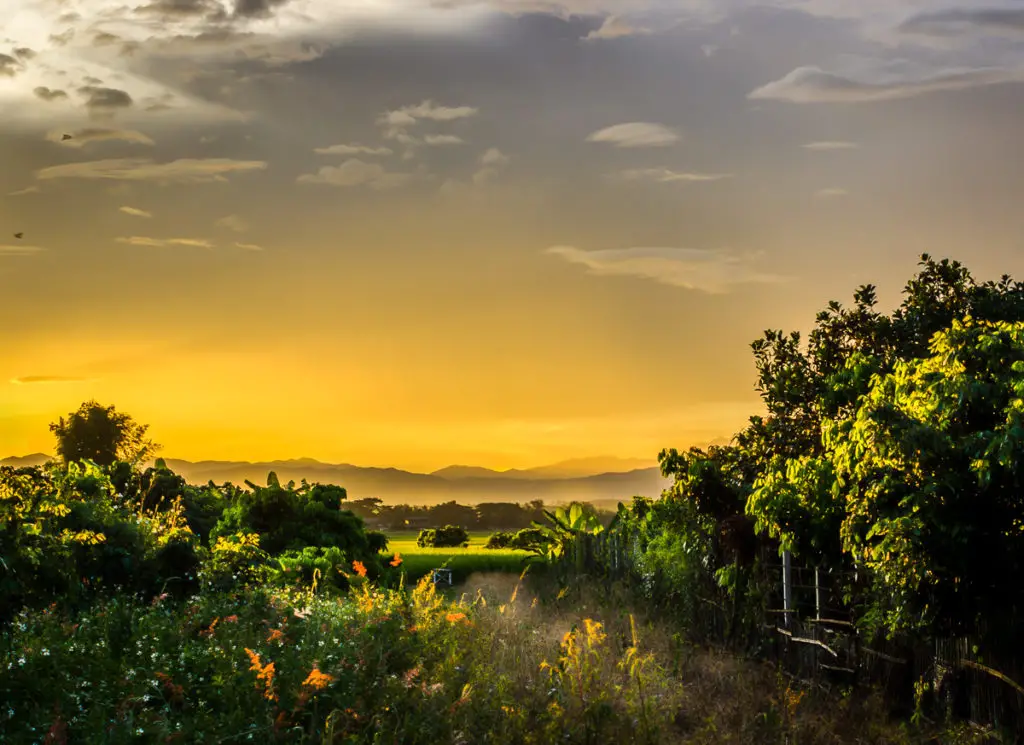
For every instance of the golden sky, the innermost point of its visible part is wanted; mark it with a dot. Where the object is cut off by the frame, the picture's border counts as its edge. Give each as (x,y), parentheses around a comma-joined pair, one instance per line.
(488,232)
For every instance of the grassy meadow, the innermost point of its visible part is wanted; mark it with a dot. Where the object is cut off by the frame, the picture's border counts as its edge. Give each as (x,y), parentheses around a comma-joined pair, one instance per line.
(418,562)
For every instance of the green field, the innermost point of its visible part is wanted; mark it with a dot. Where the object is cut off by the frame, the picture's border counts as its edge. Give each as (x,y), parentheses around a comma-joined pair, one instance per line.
(463,562)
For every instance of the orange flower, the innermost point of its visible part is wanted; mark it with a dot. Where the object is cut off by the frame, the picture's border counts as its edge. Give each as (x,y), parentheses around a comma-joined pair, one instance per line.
(457,617)
(397,560)
(317,680)
(359,568)
(264,674)
(230,619)
(276,635)
(209,630)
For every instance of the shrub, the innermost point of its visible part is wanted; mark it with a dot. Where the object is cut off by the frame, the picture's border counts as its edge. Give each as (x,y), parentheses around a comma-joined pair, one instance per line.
(289,519)
(450,536)
(500,539)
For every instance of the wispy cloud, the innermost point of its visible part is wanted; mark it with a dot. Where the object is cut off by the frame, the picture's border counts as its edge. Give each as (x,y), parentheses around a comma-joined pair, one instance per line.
(357,173)
(141,240)
(667,176)
(614,27)
(443,140)
(43,380)
(831,145)
(182,171)
(713,272)
(636,134)
(353,149)
(408,116)
(26,190)
(19,249)
(953,21)
(233,222)
(831,193)
(135,211)
(83,137)
(814,85)
(249,246)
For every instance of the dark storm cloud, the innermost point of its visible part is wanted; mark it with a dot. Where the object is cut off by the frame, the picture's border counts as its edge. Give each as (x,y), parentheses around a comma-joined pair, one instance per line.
(49,94)
(105,99)
(9,66)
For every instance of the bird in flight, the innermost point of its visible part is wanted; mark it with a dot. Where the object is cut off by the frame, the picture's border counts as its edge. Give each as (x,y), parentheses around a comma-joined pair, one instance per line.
(65,137)
(19,235)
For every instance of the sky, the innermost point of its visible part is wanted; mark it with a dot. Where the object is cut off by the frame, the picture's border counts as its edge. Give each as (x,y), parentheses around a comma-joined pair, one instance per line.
(504,233)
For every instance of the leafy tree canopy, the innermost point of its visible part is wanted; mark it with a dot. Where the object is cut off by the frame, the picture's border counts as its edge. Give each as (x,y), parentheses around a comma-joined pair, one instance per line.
(102,435)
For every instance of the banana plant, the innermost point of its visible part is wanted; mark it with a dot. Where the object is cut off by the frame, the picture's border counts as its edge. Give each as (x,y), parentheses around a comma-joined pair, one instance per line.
(568,532)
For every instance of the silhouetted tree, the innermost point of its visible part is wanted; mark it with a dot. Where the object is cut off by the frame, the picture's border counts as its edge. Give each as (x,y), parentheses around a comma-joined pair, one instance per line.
(103,435)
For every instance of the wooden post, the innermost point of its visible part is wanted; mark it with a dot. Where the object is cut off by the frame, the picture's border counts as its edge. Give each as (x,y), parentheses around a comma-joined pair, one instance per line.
(817,593)
(787,586)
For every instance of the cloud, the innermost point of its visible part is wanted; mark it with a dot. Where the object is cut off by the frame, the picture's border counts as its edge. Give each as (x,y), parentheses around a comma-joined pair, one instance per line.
(353,149)
(408,116)
(9,66)
(182,171)
(491,162)
(614,27)
(45,379)
(83,137)
(256,8)
(635,134)
(814,85)
(105,101)
(667,176)
(831,145)
(141,240)
(494,157)
(357,173)
(952,21)
(831,193)
(233,222)
(442,140)
(713,272)
(210,11)
(26,190)
(49,94)
(19,249)
(135,212)
(249,246)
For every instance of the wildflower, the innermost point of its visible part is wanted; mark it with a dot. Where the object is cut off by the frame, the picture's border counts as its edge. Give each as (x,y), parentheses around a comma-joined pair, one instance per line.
(457,617)
(230,619)
(317,680)
(397,560)
(208,631)
(359,568)
(276,635)
(264,674)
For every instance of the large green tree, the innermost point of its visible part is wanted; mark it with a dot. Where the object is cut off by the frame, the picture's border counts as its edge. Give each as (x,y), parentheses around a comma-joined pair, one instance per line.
(102,435)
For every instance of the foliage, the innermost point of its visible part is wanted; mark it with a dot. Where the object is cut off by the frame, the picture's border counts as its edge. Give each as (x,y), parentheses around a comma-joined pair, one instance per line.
(102,435)
(392,666)
(446,537)
(289,518)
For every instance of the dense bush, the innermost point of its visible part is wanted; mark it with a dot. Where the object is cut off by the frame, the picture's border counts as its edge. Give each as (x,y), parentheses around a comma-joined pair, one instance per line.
(288,518)
(450,536)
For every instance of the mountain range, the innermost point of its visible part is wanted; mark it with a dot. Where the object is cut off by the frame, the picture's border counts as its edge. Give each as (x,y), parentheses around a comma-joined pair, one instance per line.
(587,479)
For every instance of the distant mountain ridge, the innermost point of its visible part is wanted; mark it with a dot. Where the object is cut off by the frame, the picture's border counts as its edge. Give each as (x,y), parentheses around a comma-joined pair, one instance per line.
(559,482)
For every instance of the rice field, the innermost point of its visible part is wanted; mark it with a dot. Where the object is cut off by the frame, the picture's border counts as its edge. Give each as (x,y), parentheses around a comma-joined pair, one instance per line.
(463,562)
